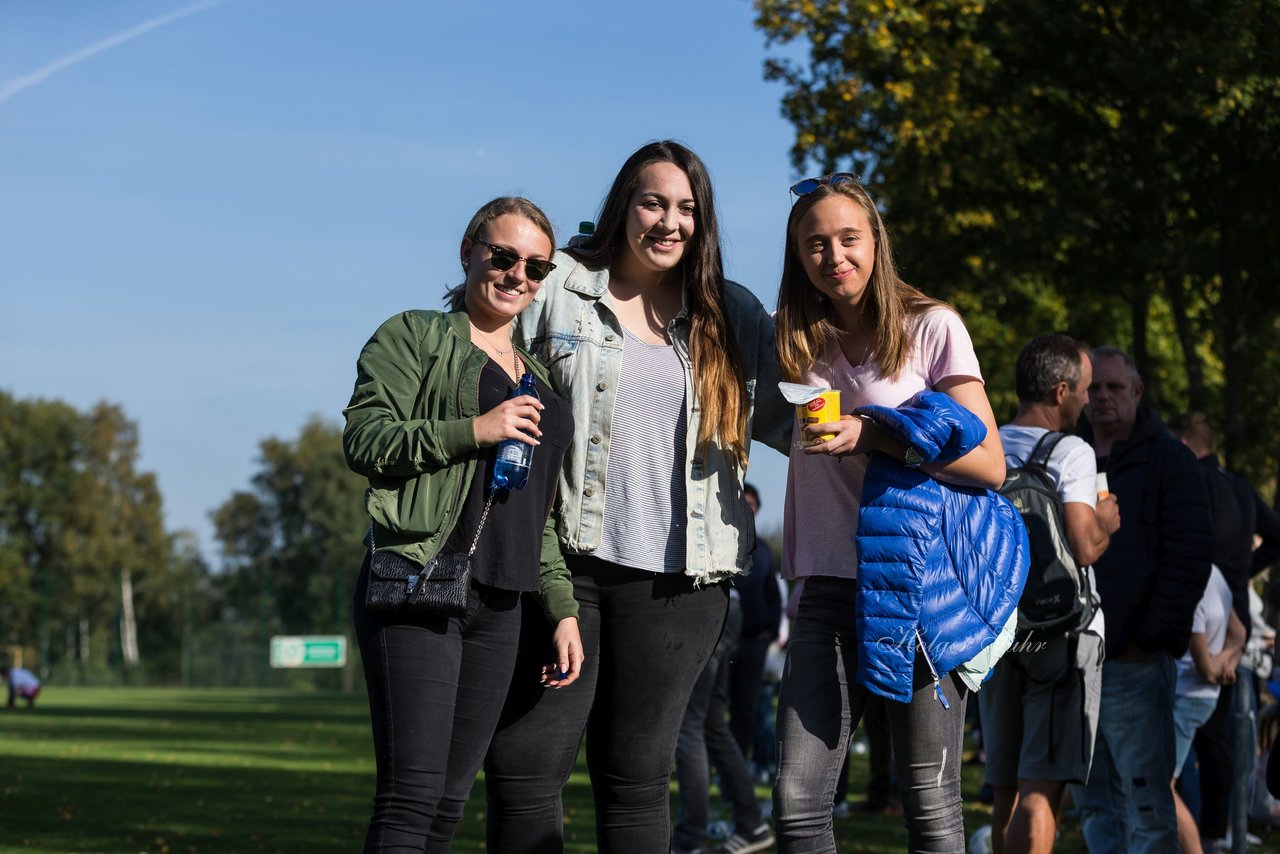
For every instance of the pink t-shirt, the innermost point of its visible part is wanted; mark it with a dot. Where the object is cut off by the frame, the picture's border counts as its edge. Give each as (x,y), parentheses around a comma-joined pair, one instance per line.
(820,521)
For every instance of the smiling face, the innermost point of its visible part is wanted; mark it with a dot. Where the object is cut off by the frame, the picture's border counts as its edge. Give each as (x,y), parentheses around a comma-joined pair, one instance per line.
(499,295)
(660,220)
(836,248)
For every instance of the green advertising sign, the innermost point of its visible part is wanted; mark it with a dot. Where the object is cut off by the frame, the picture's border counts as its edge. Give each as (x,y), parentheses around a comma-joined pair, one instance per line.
(309,651)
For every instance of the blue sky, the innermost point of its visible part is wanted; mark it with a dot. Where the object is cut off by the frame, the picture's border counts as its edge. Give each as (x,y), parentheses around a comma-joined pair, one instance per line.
(207,208)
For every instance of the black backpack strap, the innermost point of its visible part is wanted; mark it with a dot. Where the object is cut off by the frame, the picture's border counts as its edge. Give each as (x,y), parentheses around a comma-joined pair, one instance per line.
(1053,437)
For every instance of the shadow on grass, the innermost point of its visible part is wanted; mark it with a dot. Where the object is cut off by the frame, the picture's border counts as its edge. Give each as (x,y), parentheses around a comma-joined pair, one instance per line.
(121,771)
(115,806)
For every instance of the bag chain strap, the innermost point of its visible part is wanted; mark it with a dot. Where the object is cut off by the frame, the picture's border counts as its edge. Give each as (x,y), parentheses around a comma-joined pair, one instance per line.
(484,517)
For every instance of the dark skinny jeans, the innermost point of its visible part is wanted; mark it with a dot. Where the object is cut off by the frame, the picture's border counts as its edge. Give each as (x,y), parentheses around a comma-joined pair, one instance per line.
(646,637)
(436,686)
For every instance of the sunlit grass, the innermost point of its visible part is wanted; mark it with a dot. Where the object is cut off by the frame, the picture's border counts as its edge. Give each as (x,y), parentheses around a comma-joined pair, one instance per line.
(227,771)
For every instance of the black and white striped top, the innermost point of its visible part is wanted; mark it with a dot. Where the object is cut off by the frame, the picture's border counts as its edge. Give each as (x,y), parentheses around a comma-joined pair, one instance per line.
(644,496)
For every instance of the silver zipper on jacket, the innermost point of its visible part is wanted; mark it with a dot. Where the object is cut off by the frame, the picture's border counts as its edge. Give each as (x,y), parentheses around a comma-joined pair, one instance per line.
(937,682)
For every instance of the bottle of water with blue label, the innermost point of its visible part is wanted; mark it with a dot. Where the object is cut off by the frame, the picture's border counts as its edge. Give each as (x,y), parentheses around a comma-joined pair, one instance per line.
(511,468)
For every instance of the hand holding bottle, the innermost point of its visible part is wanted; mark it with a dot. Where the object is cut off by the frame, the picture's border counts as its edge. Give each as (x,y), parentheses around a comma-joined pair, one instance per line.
(515,453)
(515,418)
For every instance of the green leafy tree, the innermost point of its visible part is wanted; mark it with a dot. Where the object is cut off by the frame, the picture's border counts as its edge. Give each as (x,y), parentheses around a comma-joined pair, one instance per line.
(1097,168)
(81,533)
(293,543)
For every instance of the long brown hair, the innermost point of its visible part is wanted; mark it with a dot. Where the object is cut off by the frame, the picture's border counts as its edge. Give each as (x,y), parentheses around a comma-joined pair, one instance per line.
(717,366)
(807,323)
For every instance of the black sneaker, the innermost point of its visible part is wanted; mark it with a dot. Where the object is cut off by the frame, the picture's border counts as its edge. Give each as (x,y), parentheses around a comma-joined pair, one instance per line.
(745,843)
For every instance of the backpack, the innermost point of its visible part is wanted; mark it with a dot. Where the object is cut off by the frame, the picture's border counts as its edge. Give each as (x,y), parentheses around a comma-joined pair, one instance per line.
(1057,594)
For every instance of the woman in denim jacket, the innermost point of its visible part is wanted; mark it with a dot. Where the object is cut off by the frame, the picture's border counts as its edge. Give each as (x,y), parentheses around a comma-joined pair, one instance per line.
(660,359)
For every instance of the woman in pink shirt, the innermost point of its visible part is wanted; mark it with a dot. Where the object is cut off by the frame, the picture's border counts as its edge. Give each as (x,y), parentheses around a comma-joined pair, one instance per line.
(847,321)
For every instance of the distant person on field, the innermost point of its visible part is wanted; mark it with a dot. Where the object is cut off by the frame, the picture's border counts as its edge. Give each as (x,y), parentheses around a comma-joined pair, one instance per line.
(430,406)
(1040,707)
(22,683)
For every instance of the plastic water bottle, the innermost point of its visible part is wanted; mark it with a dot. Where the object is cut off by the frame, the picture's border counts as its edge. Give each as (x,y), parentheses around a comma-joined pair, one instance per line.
(511,468)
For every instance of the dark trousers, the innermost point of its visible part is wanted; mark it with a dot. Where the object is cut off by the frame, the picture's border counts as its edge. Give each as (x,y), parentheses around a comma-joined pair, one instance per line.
(875,725)
(1215,746)
(436,685)
(746,675)
(646,637)
(705,740)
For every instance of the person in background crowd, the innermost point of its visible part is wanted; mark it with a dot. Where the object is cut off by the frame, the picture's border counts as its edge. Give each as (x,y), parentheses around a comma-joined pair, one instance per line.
(761,600)
(1040,707)
(429,406)
(1216,644)
(668,369)
(1149,580)
(705,740)
(1239,514)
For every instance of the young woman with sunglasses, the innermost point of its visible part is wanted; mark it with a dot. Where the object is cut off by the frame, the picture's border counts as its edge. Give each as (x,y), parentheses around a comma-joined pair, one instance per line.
(847,321)
(660,359)
(429,407)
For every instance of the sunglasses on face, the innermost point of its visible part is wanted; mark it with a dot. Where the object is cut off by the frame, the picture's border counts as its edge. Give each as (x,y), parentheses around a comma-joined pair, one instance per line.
(835,179)
(536,269)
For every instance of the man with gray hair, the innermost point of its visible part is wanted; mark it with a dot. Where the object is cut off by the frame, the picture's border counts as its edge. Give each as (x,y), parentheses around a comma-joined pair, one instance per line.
(1040,707)
(1150,580)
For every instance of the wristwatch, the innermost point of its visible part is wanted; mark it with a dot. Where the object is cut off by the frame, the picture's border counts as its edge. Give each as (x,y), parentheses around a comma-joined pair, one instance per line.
(912,458)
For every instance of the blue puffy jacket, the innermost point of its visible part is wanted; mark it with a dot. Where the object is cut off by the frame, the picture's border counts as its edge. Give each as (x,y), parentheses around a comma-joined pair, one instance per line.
(939,565)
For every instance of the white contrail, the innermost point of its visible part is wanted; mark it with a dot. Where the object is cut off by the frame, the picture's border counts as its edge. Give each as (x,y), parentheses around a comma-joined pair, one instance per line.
(9,88)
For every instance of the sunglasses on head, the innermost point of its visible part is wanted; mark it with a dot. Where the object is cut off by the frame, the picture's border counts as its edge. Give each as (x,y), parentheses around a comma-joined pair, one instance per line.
(835,179)
(536,269)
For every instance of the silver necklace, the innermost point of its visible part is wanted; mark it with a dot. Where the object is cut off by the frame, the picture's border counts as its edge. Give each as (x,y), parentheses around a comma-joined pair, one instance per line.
(501,352)
(515,359)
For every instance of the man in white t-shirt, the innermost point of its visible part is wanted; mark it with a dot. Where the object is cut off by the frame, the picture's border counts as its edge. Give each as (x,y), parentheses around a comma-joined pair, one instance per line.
(1040,707)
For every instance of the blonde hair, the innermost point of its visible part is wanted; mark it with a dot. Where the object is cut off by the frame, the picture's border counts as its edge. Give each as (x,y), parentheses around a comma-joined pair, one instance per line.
(807,323)
(456,296)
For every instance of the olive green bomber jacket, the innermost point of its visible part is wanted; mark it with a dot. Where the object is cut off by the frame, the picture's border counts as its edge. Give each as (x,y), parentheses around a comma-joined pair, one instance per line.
(409,429)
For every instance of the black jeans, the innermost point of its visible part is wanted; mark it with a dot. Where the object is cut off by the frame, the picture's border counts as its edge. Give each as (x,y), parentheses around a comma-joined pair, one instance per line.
(436,685)
(746,676)
(1215,748)
(705,740)
(646,637)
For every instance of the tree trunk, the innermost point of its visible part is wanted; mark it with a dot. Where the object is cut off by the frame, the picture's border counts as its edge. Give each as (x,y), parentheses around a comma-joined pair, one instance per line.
(1138,305)
(128,621)
(1235,325)
(84,639)
(1197,394)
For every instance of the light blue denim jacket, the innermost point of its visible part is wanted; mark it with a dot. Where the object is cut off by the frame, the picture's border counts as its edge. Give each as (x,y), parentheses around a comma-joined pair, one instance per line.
(571,328)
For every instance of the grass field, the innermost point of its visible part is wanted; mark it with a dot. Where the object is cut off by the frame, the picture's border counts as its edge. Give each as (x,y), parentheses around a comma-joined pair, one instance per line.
(166,770)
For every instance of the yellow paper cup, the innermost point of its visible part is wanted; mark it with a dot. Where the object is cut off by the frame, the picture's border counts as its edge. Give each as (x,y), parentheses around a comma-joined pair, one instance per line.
(822,409)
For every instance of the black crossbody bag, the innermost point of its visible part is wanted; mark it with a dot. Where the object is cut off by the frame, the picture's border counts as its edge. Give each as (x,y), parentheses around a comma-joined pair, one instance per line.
(401,585)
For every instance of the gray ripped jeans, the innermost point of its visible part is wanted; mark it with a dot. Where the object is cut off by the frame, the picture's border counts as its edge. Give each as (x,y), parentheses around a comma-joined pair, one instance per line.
(818,711)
